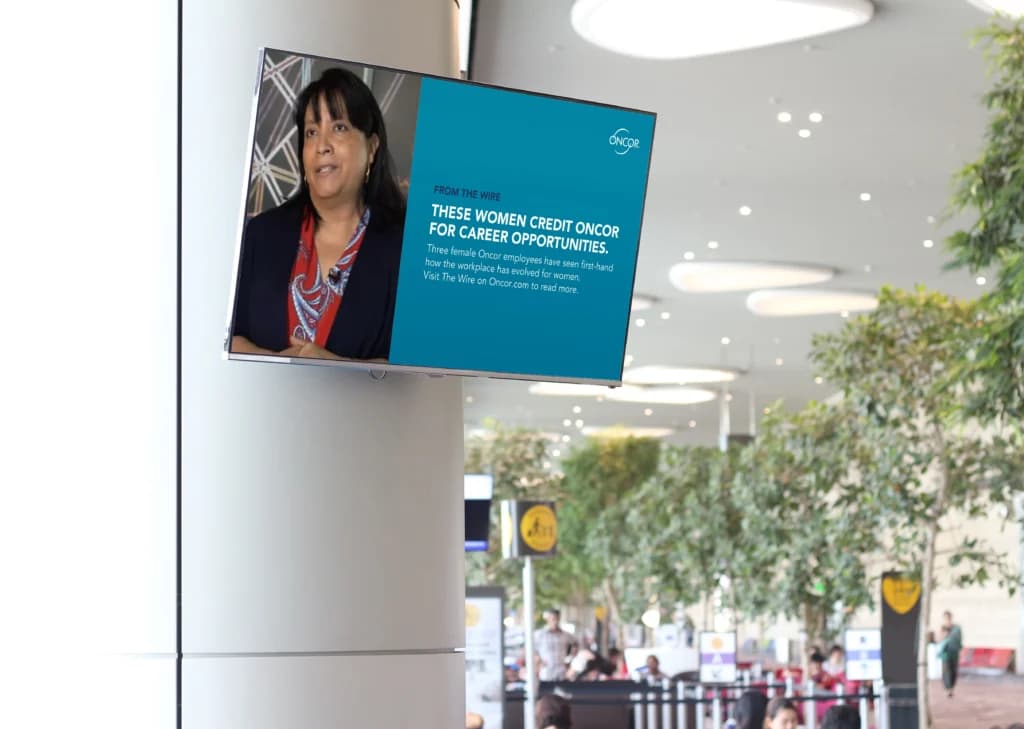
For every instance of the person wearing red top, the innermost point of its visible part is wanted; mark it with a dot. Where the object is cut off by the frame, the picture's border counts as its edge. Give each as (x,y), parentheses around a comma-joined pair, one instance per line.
(319,273)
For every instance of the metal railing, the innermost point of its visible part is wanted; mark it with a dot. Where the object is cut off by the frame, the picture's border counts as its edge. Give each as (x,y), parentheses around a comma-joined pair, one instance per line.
(682,705)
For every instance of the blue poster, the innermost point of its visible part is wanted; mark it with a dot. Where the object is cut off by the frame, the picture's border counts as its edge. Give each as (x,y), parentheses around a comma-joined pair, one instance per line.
(521,233)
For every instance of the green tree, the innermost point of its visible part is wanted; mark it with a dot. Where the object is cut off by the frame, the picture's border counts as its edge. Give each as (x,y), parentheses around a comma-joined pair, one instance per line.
(597,554)
(804,539)
(927,460)
(682,523)
(991,191)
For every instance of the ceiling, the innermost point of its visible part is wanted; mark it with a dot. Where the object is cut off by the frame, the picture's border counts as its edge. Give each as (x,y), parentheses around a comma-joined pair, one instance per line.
(900,98)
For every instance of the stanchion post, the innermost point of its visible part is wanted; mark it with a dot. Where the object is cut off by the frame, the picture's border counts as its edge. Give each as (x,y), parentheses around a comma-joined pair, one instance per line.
(699,694)
(716,711)
(531,664)
(810,708)
(865,713)
(840,691)
(682,714)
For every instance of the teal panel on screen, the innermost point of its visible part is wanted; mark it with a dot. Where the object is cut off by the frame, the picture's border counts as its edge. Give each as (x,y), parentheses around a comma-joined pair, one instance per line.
(521,234)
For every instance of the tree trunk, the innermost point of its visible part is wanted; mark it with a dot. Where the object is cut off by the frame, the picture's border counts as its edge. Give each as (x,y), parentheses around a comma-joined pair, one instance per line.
(614,613)
(924,711)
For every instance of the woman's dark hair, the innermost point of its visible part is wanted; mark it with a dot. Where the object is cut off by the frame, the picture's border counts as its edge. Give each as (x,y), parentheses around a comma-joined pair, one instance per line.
(778,705)
(345,92)
(751,708)
(553,710)
(841,717)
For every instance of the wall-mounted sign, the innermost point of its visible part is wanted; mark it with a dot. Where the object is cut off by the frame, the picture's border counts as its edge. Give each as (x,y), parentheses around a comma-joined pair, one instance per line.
(717,657)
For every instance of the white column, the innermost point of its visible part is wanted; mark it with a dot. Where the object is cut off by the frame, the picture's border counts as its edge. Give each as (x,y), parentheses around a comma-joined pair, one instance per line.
(322,518)
(87,471)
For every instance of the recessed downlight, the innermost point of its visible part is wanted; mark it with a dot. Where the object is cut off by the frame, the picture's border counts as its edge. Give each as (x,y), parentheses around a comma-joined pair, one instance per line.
(981,280)
(726,340)
(865,197)
(641,322)
(689,256)
(713,244)
(815,117)
(928,243)
(785,117)
(745,210)
(804,133)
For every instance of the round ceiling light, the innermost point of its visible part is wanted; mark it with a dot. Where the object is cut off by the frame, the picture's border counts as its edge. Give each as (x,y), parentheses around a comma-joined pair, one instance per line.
(1013,8)
(661,395)
(708,276)
(642,302)
(621,431)
(666,375)
(808,302)
(567,388)
(665,29)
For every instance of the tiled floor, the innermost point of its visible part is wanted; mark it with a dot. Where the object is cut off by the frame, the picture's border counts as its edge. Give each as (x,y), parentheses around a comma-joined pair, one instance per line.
(979,702)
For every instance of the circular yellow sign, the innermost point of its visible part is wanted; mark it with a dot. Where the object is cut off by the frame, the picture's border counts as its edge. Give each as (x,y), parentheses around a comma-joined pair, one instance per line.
(472,615)
(539,528)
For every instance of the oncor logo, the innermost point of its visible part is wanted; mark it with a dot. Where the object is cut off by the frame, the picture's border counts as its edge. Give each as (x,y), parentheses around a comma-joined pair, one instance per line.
(621,142)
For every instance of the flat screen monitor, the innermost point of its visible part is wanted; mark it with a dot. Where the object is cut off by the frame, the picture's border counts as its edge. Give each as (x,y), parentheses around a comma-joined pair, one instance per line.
(478,490)
(394,220)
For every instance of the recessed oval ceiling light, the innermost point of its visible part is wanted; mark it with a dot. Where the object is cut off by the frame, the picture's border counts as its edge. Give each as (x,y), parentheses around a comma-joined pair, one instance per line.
(712,244)
(981,280)
(778,361)
(815,117)
(642,302)
(693,423)
(641,322)
(621,431)
(708,276)
(662,395)
(566,423)
(804,133)
(818,380)
(808,302)
(577,409)
(669,375)
(726,340)
(785,117)
(666,315)
(672,29)
(688,256)
(567,388)
(578,423)
(1013,8)
(928,243)
(865,197)
(745,210)
(648,412)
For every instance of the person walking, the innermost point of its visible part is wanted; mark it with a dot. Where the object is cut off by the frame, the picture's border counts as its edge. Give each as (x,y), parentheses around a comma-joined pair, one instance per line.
(949,651)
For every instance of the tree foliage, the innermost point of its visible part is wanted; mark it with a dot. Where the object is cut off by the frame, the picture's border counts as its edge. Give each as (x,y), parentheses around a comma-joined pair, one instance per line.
(897,368)
(805,538)
(991,189)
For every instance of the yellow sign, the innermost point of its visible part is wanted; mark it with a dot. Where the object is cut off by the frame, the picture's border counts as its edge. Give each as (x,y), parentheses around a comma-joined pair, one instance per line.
(901,593)
(472,615)
(539,528)
(601,612)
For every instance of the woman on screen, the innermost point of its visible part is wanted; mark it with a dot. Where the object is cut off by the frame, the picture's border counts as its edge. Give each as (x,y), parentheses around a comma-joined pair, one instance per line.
(318,274)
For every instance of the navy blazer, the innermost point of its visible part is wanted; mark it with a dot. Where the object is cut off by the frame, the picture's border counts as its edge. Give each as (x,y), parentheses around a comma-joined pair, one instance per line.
(362,327)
